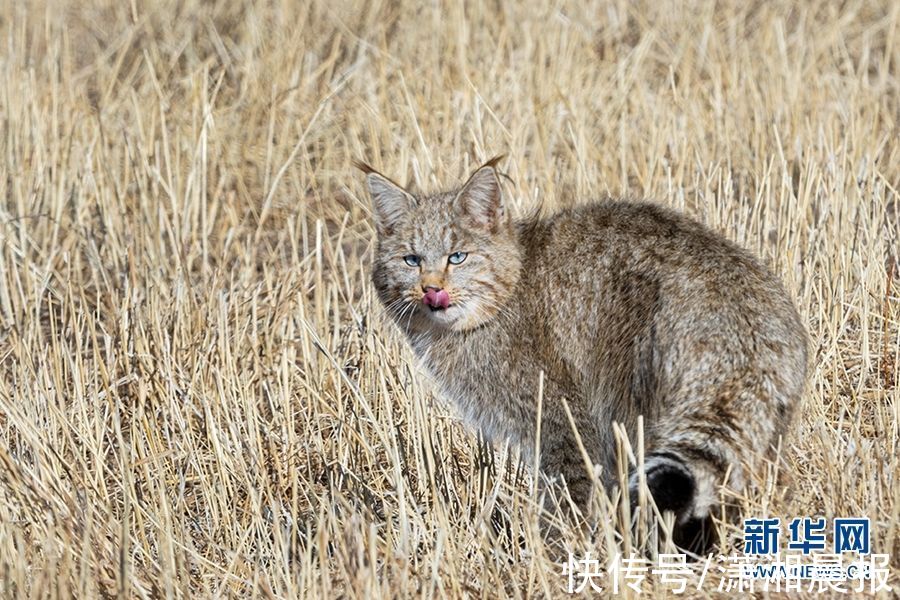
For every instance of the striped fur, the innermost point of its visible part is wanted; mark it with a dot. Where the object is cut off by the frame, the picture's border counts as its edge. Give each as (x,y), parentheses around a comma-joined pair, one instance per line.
(627,308)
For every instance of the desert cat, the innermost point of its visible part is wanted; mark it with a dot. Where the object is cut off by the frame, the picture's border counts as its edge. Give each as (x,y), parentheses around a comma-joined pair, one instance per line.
(628,308)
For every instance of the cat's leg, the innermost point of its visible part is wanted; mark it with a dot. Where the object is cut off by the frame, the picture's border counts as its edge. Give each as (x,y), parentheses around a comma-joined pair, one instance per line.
(568,455)
(565,484)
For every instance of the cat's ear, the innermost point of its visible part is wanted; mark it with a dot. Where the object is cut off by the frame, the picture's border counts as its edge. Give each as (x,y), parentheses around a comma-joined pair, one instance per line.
(481,200)
(389,199)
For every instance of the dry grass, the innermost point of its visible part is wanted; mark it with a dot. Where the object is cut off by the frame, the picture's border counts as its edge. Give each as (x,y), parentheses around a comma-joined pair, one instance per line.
(199,394)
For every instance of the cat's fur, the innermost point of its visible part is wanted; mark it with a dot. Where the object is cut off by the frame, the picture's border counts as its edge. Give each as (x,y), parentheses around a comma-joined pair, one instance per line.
(628,308)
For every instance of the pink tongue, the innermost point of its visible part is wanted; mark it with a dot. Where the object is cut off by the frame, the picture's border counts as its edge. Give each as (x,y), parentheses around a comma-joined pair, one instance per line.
(437,298)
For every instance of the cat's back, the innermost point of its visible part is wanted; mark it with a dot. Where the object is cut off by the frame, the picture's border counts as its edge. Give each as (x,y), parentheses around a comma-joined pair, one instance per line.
(623,240)
(615,268)
(619,230)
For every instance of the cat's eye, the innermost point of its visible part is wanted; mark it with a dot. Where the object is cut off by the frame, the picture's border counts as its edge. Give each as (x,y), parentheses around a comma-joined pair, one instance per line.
(457,257)
(412,260)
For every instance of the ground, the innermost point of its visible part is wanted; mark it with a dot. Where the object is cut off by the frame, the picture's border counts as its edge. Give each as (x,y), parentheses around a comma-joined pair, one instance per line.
(199,393)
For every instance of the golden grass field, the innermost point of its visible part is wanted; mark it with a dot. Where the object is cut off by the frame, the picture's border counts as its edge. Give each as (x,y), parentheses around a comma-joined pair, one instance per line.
(199,393)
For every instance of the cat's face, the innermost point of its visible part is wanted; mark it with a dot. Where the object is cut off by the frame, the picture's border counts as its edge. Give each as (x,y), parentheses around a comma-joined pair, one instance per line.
(447,261)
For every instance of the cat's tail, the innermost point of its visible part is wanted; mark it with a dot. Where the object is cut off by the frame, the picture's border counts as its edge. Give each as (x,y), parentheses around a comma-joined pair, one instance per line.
(685,480)
(672,484)
(713,443)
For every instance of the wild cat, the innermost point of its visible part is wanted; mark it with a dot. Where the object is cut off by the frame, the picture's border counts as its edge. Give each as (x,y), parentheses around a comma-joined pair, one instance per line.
(627,308)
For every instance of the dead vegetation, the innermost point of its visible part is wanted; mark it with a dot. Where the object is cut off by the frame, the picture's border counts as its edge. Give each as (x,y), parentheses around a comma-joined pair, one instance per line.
(199,395)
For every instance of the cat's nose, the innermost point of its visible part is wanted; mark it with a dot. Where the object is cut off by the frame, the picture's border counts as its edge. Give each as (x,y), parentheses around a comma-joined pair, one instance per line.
(435,298)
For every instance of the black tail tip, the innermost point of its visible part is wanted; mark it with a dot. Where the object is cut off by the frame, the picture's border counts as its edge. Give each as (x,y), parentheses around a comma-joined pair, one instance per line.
(672,486)
(696,535)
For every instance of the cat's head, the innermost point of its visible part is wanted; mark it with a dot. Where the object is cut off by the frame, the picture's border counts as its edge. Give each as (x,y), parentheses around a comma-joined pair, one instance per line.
(450,260)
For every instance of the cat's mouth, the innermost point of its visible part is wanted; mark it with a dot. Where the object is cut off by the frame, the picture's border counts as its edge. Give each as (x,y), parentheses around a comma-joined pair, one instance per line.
(436,299)
(439,309)
(442,310)
(442,314)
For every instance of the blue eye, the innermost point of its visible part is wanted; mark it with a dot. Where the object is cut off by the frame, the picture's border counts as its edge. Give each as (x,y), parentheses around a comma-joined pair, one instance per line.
(412,260)
(457,257)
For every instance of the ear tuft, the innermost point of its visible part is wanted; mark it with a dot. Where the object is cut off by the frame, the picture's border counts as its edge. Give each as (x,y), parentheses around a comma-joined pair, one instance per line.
(493,161)
(480,198)
(363,166)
